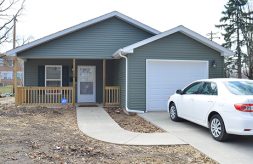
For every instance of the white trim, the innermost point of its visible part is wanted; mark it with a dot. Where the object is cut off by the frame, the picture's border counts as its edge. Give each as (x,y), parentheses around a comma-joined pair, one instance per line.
(168,60)
(130,49)
(172,60)
(95,82)
(47,66)
(80,26)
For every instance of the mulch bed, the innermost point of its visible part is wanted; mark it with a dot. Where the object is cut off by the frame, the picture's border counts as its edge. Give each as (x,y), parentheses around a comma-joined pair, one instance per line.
(132,123)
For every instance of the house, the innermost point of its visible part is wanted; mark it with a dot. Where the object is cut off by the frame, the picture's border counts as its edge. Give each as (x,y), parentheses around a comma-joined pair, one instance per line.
(6,72)
(114,59)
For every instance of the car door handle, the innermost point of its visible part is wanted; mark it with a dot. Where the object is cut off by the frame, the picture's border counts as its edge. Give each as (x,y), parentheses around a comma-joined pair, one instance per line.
(210,101)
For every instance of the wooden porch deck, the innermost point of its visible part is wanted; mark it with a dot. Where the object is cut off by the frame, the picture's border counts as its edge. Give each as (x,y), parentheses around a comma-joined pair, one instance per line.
(54,96)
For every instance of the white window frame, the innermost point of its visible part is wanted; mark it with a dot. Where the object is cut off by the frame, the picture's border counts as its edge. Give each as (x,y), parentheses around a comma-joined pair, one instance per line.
(50,66)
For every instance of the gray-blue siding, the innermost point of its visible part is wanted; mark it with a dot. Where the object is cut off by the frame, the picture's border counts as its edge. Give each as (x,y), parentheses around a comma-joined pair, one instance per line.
(175,47)
(101,40)
(118,70)
(31,72)
(98,41)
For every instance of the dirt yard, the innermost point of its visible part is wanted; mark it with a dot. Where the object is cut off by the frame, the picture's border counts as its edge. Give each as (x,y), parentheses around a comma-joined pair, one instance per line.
(42,135)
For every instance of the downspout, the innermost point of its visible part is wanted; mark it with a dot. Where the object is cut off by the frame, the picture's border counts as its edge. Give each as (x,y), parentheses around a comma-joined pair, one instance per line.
(126,90)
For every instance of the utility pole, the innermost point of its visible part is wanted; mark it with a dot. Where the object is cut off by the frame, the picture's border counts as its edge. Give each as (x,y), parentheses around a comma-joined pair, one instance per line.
(15,61)
(14,32)
(212,35)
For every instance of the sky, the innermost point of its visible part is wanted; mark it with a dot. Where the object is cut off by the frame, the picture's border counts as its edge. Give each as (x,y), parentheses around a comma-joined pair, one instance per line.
(44,17)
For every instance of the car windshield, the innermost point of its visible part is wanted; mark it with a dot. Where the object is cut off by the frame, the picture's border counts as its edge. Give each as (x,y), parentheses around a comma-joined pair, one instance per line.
(240,87)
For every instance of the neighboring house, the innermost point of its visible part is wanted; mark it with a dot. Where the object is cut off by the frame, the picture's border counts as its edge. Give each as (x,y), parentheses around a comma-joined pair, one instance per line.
(97,51)
(6,72)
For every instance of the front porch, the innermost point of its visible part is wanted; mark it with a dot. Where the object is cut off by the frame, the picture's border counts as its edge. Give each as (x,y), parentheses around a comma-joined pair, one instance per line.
(68,81)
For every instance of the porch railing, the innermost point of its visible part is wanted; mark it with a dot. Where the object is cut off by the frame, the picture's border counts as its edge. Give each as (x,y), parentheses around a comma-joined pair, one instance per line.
(44,95)
(112,96)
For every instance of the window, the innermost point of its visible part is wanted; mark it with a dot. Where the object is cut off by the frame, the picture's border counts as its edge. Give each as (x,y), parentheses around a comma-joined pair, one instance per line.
(1,61)
(209,88)
(9,62)
(240,87)
(53,75)
(7,75)
(19,75)
(194,88)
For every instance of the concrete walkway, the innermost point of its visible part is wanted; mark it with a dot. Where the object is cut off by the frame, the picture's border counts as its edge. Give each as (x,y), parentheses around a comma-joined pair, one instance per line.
(239,149)
(96,123)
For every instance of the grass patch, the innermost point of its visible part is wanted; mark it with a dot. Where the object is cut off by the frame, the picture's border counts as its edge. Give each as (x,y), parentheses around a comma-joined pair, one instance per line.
(6,89)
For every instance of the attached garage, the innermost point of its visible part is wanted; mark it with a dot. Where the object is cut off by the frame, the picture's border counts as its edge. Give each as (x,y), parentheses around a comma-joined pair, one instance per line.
(153,69)
(164,77)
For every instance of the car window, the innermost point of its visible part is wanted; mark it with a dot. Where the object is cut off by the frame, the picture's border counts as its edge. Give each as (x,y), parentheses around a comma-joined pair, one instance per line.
(209,88)
(240,87)
(195,88)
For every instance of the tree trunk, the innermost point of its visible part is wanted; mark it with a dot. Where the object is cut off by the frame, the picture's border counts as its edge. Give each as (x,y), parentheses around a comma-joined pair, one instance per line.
(239,60)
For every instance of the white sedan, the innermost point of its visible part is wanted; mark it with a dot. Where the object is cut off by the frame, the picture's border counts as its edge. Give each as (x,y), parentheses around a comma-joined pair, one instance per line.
(225,106)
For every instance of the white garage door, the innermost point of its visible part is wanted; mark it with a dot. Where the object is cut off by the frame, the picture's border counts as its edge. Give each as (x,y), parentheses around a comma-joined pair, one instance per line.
(164,77)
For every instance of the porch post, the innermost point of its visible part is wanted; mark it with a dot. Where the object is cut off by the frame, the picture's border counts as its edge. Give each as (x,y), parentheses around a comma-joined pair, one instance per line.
(15,62)
(74,83)
(104,80)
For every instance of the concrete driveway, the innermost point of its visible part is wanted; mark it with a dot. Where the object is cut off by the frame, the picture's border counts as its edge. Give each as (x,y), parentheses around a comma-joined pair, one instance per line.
(238,149)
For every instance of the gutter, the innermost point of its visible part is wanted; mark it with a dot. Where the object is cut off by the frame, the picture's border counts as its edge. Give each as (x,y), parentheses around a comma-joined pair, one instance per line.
(126,90)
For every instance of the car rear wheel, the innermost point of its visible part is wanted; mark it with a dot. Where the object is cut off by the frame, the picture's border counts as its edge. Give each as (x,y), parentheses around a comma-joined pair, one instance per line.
(173,113)
(217,128)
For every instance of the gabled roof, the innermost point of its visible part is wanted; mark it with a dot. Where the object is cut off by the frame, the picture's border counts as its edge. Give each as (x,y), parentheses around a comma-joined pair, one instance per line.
(130,49)
(83,25)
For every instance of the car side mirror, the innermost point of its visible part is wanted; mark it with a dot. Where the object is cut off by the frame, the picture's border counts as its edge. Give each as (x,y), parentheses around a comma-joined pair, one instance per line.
(179,91)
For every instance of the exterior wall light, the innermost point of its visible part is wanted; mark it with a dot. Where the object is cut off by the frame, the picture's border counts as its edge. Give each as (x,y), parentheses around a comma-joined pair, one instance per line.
(213,63)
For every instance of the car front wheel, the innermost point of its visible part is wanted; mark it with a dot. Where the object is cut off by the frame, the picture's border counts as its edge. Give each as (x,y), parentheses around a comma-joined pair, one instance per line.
(217,128)
(173,113)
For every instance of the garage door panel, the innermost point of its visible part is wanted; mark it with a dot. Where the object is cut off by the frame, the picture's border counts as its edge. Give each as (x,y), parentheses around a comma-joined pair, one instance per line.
(158,92)
(154,105)
(164,77)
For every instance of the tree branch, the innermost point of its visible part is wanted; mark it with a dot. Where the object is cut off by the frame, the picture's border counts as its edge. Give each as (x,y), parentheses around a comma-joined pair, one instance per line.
(4,14)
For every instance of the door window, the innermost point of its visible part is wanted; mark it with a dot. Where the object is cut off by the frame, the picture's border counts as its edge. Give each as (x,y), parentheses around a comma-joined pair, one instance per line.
(86,88)
(195,88)
(209,88)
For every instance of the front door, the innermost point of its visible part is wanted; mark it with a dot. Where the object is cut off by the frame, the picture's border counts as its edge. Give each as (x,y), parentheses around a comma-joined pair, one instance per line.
(86,84)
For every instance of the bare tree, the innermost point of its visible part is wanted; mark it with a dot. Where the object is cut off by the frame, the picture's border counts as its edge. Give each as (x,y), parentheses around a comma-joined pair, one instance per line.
(21,40)
(10,10)
(8,60)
